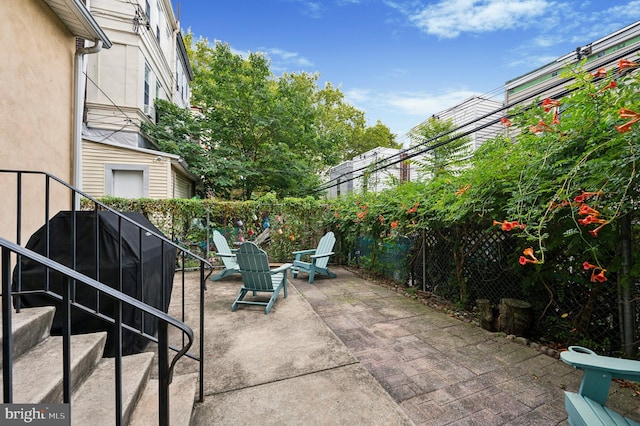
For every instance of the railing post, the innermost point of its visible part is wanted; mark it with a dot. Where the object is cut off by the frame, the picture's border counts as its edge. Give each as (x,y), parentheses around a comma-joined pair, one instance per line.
(19,209)
(66,339)
(203,287)
(117,359)
(7,337)
(163,374)
(19,232)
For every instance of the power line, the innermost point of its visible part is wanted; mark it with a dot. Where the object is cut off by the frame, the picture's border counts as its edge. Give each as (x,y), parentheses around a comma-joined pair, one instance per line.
(126,117)
(403,155)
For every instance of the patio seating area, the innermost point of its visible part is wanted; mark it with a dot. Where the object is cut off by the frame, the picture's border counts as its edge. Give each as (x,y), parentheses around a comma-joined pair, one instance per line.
(348,351)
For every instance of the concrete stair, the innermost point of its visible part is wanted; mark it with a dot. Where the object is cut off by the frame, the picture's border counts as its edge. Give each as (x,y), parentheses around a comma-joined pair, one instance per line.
(38,378)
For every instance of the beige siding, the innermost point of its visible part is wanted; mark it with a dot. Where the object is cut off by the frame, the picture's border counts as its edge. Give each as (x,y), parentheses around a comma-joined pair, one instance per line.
(97,156)
(183,186)
(37,101)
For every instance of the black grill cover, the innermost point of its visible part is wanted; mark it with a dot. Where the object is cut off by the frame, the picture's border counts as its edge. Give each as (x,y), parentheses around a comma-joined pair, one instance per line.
(144,274)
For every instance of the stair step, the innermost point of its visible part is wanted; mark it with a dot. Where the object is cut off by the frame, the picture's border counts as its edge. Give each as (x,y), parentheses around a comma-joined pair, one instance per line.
(182,393)
(29,327)
(37,374)
(94,402)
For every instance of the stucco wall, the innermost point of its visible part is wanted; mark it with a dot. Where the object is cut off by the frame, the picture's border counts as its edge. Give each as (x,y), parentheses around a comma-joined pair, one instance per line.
(36,83)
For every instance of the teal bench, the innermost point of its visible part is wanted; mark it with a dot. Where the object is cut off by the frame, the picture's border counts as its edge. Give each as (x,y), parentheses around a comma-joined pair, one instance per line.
(587,407)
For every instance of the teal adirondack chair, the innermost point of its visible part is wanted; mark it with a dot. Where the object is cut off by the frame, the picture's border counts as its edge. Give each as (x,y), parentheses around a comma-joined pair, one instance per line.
(587,407)
(227,256)
(319,258)
(257,277)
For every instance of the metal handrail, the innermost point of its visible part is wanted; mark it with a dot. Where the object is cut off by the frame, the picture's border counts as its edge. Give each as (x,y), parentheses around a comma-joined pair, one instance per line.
(74,202)
(107,208)
(165,369)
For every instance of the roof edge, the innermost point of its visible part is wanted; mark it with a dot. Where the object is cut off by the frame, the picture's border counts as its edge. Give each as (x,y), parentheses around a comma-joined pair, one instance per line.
(79,20)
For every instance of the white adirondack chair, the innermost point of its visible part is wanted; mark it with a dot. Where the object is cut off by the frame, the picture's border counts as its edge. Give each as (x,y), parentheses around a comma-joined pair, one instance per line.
(227,256)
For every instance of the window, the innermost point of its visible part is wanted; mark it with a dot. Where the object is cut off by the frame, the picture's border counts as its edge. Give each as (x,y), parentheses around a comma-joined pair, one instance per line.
(126,180)
(147,11)
(147,76)
(159,6)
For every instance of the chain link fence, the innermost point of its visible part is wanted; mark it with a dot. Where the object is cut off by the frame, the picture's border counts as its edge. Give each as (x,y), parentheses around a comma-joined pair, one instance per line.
(462,265)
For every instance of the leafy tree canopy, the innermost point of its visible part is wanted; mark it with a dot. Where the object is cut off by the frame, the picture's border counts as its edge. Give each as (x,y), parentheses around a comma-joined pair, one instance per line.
(257,132)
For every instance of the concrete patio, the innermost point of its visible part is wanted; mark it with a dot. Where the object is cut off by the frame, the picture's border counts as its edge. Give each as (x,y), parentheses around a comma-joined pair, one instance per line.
(348,351)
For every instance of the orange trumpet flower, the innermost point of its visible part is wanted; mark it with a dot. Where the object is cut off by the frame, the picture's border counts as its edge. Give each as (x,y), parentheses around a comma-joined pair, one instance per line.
(528,252)
(623,63)
(586,210)
(627,113)
(601,73)
(549,103)
(595,231)
(599,277)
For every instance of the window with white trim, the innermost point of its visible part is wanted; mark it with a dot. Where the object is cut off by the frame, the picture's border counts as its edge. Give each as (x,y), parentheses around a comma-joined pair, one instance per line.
(147,78)
(126,180)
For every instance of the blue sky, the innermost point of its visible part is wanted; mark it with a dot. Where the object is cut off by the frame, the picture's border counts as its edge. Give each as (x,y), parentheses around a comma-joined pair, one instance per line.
(401,61)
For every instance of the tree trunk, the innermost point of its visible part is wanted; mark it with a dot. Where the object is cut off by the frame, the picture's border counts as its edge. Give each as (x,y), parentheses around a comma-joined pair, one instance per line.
(487,319)
(515,317)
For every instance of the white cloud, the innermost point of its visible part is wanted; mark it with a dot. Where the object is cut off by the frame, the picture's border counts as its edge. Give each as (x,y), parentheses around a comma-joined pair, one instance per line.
(567,22)
(450,18)
(313,9)
(426,104)
(282,59)
(401,111)
(358,96)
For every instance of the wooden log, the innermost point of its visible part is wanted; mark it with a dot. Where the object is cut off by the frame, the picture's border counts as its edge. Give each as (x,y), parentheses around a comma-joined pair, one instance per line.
(487,318)
(515,317)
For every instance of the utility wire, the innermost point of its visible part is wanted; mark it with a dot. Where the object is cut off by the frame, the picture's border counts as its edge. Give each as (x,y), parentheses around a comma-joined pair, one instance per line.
(126,117)
(403,155)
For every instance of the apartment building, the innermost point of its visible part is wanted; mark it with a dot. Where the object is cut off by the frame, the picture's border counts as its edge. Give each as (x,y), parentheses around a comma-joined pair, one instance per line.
(372,171)
(477,117)
(546,81)
(148,61)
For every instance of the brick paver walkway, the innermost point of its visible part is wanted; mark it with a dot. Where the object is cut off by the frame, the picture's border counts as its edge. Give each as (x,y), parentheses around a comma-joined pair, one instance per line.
(439,369)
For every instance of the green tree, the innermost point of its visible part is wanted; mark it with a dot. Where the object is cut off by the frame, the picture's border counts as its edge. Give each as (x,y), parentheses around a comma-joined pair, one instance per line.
(446,152)
(339,125)
(258,122)
(369,138)
(258,132)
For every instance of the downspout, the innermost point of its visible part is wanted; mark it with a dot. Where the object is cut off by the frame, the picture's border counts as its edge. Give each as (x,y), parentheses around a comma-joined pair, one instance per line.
(78,109)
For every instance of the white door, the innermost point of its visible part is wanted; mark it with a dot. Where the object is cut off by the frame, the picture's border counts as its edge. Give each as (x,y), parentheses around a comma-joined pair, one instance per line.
(128,183)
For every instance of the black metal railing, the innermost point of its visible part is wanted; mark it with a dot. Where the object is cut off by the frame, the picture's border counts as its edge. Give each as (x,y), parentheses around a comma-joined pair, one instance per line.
(73,278)
(40,189)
